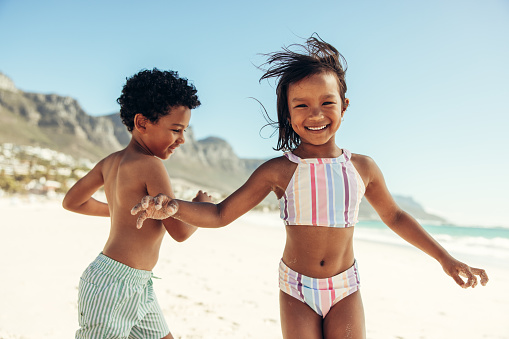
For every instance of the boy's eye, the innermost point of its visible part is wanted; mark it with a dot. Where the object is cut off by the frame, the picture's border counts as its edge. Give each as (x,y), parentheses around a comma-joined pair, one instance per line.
(328,103)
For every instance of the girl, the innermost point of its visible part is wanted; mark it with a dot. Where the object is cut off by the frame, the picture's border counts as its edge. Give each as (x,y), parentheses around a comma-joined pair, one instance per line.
(319,186)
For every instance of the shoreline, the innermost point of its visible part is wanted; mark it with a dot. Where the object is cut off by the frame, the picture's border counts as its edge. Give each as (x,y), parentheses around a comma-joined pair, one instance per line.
(222,283)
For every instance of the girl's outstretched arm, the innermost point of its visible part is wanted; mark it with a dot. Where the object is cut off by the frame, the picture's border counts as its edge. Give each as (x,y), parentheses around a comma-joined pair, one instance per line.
(79,198)
(410,230)
(209,215)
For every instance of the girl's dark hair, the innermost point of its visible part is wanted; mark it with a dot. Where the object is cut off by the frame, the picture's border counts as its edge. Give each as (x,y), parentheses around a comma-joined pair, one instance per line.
(288,67)
(153,93)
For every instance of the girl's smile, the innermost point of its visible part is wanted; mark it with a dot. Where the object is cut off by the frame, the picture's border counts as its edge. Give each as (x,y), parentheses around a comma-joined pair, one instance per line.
(317,128)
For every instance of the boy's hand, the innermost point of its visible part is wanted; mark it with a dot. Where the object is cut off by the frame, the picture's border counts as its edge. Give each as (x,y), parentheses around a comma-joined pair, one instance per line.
(202,196)
(456,269)
(159,207)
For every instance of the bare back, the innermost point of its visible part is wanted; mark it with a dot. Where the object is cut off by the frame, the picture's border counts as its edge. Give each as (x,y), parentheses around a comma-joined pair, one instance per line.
(124,173)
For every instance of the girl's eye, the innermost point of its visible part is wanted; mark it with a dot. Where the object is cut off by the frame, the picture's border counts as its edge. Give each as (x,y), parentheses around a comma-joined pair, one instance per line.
(328,103)
(177,130)
(301,105)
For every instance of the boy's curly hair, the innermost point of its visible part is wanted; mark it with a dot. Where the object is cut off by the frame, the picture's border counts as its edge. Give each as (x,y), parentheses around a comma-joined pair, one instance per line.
(153,93)
(288,67)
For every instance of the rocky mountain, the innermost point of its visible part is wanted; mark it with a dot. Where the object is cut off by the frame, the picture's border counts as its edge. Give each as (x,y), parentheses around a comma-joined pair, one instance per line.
(53,121)
(59,123)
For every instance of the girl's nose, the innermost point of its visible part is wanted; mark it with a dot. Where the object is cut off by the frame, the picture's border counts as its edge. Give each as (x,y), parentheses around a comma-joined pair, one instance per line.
(316,112)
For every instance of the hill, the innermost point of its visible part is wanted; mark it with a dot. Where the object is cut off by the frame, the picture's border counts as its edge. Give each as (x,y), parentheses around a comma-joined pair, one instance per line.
(59,123)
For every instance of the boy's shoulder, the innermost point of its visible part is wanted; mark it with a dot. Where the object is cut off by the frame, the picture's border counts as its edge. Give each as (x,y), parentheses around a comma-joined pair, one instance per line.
(133,163)
(140,161)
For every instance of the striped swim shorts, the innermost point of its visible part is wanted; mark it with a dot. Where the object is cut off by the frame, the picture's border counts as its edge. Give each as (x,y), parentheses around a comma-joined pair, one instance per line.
(118,301)
(319,293)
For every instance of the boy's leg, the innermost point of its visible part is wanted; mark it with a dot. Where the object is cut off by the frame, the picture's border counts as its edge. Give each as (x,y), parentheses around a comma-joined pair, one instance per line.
(103,310)
(152,324)
(345,319)
(298,320)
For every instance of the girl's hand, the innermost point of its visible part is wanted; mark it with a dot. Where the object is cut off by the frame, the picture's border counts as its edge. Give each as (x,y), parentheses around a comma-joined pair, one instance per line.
(159,207)
(202,197)
(456,269)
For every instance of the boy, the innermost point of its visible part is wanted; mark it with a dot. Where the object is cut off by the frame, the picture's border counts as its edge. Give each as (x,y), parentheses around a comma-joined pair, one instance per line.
(116,298)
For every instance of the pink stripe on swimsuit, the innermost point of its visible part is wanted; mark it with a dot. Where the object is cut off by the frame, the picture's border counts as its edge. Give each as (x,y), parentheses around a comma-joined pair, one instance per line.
(319,293)
(322,192)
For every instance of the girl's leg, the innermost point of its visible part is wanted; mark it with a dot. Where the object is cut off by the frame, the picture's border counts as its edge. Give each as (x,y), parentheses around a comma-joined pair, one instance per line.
(345,320)
(298,320)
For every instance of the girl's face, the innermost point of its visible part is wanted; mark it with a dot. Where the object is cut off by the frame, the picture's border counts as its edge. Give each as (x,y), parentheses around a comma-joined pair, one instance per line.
(315,108)
(163,137)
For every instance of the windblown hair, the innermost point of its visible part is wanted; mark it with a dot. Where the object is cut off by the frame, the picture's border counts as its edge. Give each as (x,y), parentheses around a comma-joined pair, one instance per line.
(153,93)
(288,67)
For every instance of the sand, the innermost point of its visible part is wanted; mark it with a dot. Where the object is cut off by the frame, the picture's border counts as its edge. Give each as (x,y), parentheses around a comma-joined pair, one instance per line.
(223,283)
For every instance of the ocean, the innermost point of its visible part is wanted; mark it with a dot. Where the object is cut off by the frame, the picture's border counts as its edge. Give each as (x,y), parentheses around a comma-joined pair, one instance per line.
(483,245)
(486,244)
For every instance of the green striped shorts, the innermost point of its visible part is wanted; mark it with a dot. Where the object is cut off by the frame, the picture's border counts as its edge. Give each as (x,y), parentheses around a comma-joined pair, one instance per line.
(118,301)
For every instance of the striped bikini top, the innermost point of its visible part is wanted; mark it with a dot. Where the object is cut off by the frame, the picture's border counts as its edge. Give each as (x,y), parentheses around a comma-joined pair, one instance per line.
(322,192)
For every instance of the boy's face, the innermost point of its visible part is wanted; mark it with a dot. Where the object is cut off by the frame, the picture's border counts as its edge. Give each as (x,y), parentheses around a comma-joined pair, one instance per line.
(163,137)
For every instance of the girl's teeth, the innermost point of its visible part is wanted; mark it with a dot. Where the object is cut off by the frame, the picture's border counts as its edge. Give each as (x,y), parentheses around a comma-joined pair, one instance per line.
(317,128)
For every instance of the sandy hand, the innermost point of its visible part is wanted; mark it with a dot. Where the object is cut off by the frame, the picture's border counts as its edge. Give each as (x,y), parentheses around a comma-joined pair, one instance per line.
(457,269)
(159,207)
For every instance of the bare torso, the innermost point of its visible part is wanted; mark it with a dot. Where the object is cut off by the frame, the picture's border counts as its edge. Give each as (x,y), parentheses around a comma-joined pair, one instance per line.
(316,251)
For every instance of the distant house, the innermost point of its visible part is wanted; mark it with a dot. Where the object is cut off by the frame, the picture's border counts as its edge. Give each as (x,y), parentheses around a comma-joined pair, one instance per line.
(50,187)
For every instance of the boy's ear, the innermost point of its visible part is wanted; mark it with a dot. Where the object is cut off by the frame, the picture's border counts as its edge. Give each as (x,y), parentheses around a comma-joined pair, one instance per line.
(140,123)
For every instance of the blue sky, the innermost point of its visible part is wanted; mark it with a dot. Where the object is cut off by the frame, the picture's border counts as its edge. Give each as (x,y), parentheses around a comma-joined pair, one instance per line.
(427,81)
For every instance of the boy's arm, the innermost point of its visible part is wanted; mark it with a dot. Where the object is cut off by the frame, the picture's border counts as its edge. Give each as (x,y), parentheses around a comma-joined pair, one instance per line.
(79,198)
(410,230)
(159,181)
(209,215)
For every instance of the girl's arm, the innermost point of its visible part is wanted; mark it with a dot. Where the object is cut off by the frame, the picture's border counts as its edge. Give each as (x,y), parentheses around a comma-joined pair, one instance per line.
(410,230)
(79,198)
(209,215)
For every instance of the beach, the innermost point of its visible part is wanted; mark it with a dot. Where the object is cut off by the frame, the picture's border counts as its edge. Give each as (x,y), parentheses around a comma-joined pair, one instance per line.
(222,283)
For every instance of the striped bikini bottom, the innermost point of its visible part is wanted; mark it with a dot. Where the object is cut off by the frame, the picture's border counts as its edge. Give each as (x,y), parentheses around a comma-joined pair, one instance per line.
(319,293)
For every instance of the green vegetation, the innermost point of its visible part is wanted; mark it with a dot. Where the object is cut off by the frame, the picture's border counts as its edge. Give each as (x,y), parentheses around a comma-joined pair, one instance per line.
(10,185)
